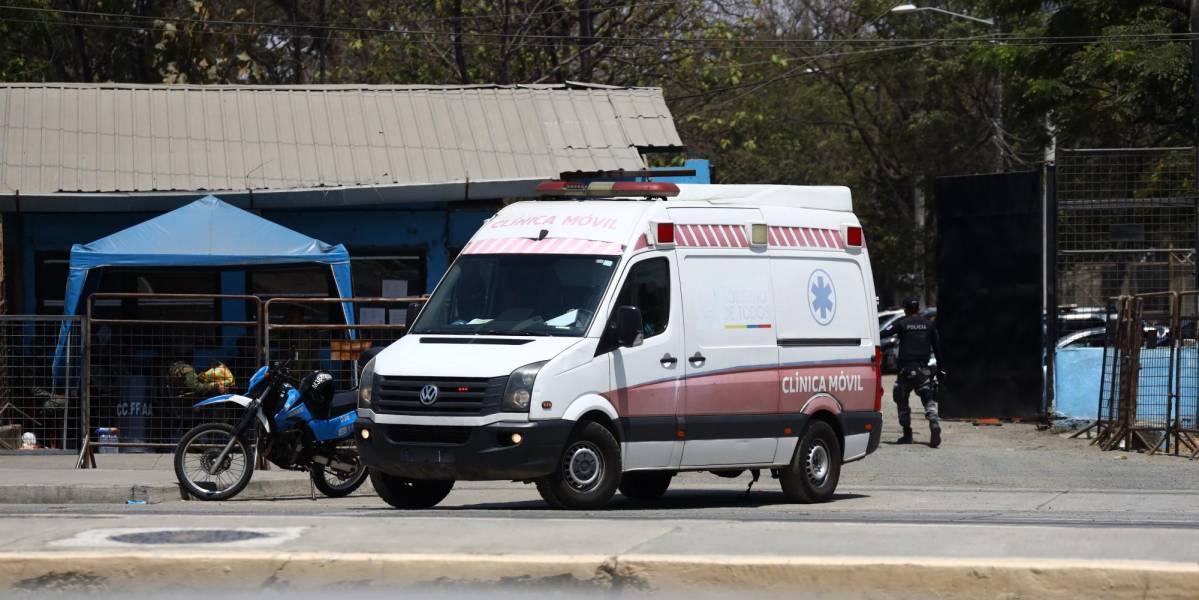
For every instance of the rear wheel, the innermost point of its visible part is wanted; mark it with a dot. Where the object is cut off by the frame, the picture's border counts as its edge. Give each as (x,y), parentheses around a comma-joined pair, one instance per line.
(201,470)
(337,484)
(645,485)
(410,494)
(816,467)
(588,472)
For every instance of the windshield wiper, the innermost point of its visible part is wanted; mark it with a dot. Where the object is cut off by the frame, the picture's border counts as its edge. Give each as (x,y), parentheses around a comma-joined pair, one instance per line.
(515,332)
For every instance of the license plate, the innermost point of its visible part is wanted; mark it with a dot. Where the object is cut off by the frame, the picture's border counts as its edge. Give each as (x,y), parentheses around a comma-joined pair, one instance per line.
(426,456)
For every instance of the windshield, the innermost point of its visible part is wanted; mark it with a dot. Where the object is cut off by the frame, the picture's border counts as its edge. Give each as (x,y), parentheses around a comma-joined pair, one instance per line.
(518,294)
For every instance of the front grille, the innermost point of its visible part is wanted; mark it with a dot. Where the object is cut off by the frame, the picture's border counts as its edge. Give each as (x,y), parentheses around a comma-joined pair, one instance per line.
(428,434)
(455,396)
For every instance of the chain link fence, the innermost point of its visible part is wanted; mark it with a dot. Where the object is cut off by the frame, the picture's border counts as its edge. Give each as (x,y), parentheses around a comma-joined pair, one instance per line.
(1126,224)
(40,359)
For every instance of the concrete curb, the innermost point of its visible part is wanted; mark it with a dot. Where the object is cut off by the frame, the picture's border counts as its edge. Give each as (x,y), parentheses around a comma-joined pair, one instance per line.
(869,577)
(120,493)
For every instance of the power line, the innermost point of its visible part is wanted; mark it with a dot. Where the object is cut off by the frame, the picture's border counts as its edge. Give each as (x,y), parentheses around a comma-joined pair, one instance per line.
(313,25)
(1007,39)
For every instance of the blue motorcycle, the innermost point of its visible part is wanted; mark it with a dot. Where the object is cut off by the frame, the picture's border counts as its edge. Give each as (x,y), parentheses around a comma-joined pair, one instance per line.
(297,425)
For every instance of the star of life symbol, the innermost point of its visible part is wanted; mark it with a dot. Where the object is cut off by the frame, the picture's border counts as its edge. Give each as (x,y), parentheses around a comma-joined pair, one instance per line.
(822,297)
(428,395)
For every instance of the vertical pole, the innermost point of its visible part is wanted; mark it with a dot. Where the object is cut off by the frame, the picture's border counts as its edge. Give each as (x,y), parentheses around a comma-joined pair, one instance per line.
(1195,180)
(1195,64)
(585,40)
(1049,247)
(85,393)
(997,120)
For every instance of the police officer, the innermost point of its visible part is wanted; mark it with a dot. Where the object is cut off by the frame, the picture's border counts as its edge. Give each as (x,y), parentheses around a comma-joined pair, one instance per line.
(918,340)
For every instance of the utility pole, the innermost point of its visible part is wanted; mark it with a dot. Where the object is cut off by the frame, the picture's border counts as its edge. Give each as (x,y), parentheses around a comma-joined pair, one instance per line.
(585,41)
(997,123)
(1195,65)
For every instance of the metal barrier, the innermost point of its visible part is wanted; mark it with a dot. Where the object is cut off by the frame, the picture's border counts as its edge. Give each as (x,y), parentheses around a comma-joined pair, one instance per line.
(40,359)
(142,375)
(1150,400)
(1186,398)
(332,345)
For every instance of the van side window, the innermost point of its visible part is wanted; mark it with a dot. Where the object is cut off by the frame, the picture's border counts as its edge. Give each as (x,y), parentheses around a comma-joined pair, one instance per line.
(648,288)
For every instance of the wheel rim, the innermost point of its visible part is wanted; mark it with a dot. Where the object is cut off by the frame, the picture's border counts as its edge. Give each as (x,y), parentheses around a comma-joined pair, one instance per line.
(200,466)
(817,463)
(583,466)
(334,481)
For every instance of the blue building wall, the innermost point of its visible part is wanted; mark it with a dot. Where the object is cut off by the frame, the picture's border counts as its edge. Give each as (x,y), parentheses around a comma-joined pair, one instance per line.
(433,229)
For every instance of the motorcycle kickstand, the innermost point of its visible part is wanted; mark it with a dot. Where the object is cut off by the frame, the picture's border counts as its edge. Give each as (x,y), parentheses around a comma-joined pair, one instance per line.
(312,488)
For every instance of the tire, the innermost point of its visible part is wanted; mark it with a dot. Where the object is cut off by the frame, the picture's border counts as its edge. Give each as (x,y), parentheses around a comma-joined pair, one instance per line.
(186,470)
(588,472)
(337,490)
(815,469)
(409,494)
(645,485)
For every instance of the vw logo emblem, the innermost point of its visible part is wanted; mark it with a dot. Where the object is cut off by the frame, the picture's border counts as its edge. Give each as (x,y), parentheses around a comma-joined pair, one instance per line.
(428,395)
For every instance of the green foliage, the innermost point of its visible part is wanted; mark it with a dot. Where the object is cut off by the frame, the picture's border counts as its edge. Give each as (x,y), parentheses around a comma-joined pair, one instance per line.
(775,91)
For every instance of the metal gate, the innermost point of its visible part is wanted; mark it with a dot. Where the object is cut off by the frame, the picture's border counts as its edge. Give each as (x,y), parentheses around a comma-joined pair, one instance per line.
(143,374)
(1150,396)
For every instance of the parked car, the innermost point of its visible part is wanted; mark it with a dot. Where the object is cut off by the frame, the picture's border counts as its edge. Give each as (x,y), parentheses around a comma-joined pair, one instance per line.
(1152,336)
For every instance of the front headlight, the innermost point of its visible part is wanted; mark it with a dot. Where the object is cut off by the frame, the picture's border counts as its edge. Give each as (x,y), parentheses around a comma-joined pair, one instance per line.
(366,382)
(519,392)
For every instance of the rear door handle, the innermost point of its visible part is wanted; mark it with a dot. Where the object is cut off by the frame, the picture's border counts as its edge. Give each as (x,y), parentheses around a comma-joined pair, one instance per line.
(668,361)
(697,359)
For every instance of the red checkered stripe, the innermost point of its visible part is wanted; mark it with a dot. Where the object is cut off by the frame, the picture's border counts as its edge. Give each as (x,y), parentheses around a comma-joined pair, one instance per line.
(805,237)
(545,246)
(711,236)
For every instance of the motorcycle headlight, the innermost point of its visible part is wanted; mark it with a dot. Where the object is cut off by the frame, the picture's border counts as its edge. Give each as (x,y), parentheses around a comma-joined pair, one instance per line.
(519,392)
(366,382)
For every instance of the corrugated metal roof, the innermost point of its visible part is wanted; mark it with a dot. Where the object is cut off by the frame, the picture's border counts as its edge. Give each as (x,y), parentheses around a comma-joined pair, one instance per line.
(69,138)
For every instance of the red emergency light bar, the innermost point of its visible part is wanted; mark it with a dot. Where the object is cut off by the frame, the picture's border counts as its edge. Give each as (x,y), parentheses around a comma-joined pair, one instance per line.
(608,189)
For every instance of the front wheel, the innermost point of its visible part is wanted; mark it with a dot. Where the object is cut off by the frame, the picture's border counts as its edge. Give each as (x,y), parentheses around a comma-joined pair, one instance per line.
(409,494)
(201,470)
(816,467)
(335,484)
(588,472)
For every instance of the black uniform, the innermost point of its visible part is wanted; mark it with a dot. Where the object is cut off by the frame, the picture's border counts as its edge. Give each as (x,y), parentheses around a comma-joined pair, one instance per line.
(918,341)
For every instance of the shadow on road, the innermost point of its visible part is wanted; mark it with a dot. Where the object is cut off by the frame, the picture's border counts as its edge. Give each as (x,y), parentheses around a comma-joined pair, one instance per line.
(679,499)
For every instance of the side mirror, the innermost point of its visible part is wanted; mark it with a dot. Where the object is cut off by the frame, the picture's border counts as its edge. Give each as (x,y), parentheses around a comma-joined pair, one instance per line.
(629,332)
(411,314)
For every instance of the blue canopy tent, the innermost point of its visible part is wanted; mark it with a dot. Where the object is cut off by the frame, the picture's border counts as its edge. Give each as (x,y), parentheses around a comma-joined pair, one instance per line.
(205,233)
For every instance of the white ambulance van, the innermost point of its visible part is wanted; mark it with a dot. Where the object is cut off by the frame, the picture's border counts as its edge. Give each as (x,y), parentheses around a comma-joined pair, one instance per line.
(612,335)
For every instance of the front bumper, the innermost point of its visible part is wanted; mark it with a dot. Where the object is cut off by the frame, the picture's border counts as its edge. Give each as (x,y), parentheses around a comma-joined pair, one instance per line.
(484,452)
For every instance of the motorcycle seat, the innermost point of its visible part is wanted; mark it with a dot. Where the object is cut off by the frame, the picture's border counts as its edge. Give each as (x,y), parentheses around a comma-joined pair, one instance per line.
(343,402)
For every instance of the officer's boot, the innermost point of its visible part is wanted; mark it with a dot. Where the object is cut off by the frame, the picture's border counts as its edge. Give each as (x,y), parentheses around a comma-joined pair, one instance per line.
(907,436)
(934,439)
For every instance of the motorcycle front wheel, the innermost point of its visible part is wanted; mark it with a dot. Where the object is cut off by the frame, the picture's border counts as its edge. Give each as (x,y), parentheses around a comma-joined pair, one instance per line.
(336,485)
(196,465)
